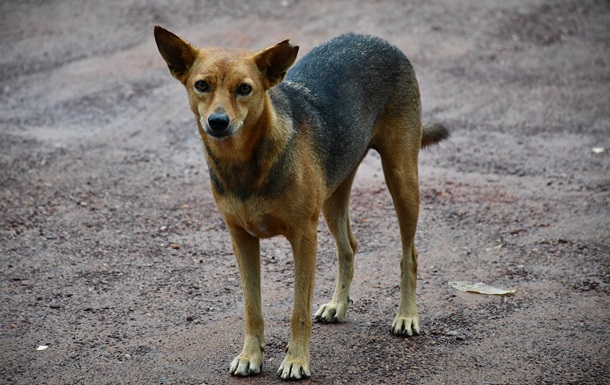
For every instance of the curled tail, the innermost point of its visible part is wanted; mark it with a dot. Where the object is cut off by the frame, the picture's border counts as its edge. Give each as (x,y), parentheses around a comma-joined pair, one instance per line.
(432,134)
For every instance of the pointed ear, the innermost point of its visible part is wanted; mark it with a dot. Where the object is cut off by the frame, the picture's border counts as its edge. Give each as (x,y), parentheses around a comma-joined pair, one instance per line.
(177,53)
(274,61)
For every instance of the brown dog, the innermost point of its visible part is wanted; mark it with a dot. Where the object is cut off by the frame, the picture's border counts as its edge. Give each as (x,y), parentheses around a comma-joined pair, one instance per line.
(283,146)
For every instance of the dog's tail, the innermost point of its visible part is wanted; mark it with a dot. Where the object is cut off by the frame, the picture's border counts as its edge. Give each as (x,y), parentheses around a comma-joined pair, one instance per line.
(433,133)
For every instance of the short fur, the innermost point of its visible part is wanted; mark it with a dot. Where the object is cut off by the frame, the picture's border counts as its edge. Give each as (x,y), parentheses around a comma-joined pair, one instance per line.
(283,146)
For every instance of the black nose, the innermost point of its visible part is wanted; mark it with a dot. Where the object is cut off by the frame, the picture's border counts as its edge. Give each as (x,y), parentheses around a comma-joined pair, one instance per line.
(218,122)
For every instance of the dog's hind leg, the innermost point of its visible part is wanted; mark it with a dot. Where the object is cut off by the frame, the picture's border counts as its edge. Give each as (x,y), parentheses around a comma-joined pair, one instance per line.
(397,141)
(336,214)
(403,185)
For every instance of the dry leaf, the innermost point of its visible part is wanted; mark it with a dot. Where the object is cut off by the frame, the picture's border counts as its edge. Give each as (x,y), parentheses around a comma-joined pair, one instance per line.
(496,247)
(479,288)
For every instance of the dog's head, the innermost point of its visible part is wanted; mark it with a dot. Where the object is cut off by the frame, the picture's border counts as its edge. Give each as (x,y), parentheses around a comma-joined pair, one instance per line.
(226,87)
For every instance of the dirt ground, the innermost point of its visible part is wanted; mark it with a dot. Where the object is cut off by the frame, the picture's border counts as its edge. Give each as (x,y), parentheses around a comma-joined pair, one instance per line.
(113,254)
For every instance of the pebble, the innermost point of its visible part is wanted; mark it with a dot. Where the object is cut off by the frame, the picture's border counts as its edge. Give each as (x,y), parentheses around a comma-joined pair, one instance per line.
(457,335)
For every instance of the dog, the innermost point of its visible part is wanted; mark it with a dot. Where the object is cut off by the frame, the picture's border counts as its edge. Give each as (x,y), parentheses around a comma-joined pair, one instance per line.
(284,145)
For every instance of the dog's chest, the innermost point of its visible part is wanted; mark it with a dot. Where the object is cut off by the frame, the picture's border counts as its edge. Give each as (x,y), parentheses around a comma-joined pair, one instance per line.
(254,217)
(258,229)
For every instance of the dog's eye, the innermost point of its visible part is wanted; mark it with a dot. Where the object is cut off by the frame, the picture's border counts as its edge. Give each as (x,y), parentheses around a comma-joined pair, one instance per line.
(202,86)
(244,89)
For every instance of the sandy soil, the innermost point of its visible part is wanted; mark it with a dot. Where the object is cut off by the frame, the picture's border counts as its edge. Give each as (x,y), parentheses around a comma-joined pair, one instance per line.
(114,256)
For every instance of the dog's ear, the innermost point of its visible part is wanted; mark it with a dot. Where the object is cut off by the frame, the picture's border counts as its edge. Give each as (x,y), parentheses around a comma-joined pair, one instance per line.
(274,61)
(177,53)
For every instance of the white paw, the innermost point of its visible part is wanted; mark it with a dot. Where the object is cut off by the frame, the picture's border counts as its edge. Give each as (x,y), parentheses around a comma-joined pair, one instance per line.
(244,365)
(405,326)
(332,312)
(294,368)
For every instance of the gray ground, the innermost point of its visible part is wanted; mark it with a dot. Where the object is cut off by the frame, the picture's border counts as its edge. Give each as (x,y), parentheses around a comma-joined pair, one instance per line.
(113,255)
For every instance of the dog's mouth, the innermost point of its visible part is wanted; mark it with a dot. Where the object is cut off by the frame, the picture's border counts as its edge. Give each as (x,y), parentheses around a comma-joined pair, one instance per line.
(220,131)
(216,134)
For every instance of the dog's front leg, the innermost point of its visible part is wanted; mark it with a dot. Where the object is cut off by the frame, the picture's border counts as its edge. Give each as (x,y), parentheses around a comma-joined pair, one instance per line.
(247,252)
(296,363)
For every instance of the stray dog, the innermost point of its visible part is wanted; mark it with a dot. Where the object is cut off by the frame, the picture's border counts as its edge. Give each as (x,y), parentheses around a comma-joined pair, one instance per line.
(283,146)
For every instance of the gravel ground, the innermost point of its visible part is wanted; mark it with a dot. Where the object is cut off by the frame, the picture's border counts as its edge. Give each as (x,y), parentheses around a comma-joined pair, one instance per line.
(113,254)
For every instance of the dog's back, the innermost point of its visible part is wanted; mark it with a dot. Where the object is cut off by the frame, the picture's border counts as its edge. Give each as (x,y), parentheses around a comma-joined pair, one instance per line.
(341,89)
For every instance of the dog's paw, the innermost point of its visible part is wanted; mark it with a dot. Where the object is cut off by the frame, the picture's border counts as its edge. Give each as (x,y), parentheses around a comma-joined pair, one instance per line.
(294,368)
(405,326)
(332,312)
(245,365)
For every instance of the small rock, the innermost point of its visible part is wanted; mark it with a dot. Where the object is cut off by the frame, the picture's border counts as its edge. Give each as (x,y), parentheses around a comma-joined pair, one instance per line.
(451,333)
